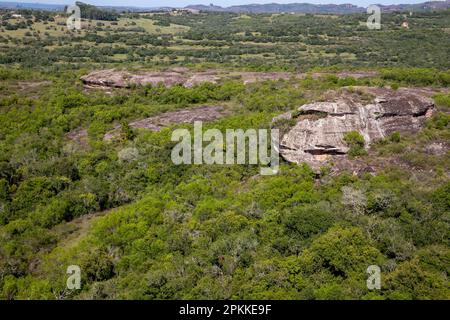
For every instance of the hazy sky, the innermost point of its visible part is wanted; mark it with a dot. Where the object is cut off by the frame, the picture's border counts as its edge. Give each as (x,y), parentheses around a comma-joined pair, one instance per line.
(180,3)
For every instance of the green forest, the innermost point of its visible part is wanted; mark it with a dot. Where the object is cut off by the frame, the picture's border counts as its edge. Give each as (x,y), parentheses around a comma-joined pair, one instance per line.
(141,227)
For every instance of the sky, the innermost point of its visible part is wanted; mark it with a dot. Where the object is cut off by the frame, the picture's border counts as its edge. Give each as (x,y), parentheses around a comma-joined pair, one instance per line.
(182,3)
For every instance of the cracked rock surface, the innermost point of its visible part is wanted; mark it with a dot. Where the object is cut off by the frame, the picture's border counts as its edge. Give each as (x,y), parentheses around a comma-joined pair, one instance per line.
(317,137)
(177,76)
(124,79)
(112,78)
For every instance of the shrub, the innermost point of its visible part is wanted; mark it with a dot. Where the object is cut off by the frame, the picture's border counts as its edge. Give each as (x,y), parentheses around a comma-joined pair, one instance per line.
(356,143)
(127,131)
(443,101)
(440,121)
(395,137)
(417,76)
(395,86)
(304,222)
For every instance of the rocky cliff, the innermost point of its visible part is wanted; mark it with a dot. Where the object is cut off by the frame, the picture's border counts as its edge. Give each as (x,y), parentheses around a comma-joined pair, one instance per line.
(317,136)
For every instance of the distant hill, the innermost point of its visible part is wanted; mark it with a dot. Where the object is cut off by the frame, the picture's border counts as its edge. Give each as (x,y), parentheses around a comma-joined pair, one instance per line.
(278,8)
(425,6)
(61,7)
(252,8)
(36,6)
(318,8)
(92,12)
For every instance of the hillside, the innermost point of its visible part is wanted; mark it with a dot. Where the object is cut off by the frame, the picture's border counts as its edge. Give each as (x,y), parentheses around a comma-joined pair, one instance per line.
(252,8)
(115,141)
(326,8)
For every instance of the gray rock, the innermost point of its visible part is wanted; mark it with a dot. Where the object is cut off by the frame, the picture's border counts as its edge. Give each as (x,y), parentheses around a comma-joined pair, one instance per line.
(156,123)
(317,138)
(112,78)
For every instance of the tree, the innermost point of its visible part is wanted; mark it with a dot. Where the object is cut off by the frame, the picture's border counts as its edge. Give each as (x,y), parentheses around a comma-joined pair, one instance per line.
(356,143)
(127,131)
(344,251)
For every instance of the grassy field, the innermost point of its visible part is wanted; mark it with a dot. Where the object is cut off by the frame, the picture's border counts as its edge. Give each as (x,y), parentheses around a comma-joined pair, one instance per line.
(279,41)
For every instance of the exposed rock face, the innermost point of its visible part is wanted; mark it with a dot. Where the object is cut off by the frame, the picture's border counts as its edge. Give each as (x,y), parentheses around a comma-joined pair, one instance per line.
(317,138)
(176,76)
(347,74)
(79,135)
(205,113)
(156,123)
(251,77)
(125,79)
(182,76)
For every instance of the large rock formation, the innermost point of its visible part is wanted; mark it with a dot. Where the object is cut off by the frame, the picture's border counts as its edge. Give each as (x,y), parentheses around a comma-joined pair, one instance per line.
(112,78)
(124,79)
(317,137)
(176,76)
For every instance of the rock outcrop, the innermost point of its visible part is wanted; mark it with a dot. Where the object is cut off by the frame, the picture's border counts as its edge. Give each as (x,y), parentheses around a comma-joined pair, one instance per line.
(112,78)
(156,123)
(317,137)
(125,79)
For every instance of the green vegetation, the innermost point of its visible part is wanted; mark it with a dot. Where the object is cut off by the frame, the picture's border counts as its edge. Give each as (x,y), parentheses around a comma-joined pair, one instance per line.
(356,143)
(419,77)
(443,100)
(93,13)
(141,227)
(253,41)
